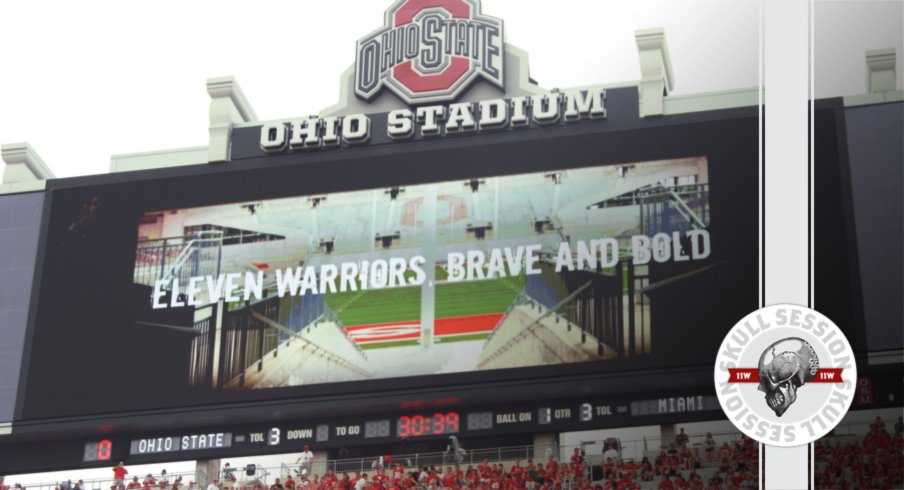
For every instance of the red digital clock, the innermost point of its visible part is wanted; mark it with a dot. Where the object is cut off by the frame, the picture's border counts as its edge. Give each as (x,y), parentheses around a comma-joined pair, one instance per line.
(427,425)
(98,451)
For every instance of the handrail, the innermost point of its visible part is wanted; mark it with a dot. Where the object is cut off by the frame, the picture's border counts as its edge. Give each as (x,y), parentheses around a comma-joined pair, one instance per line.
(186,252)
(331,315)
(338,359)
(159,250)
(107,483)
(549,312)
(685,210)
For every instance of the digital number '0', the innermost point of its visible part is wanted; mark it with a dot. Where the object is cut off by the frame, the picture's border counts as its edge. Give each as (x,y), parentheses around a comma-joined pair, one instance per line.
(104,448)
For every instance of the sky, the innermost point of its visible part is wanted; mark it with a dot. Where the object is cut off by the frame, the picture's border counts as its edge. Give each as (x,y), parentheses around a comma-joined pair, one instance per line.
(81,81)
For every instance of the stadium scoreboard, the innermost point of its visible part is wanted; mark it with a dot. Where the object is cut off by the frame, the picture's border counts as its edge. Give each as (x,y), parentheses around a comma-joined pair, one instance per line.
(436,423)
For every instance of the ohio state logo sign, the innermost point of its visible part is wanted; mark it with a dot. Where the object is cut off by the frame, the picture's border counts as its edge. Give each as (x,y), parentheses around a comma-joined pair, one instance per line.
(430,51)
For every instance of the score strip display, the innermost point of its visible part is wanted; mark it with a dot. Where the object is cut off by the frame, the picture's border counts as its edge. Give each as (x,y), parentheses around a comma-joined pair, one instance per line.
(464,422)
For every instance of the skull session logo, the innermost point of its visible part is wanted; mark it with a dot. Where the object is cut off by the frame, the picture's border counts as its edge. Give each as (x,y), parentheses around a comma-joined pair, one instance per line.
(430,51)
(781,374)
(785,375)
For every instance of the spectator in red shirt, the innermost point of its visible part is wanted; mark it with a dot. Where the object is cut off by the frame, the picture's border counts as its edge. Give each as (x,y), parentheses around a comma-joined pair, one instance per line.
(517,469)
(624,483)
(578,469)
(541,474)
(508,482)
(331,477)
(496,482)
(577,457)
(119,476)
(398,471)
(878,425)
(608,468)
(725,450)
(380,476)
(149,480)
(448,477)
(134,483)
(408,481)
(665,483)
(565,473)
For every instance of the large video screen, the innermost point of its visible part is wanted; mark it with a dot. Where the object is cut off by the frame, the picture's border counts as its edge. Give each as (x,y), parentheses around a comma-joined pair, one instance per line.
(332,276)
(483,274)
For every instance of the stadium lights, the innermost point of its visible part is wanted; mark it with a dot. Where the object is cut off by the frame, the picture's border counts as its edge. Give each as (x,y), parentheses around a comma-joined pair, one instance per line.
(475,184)
(542,224)
(480,229)
(394,192)
(623,170)
(327,245)
(251,208)
(386,239)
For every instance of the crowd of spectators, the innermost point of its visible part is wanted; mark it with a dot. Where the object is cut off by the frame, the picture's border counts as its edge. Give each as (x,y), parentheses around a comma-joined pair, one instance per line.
(162,482)
(871,461)
(550,475)
(675,468)
(730,467)
(875,461)
(679,467)
(149,482)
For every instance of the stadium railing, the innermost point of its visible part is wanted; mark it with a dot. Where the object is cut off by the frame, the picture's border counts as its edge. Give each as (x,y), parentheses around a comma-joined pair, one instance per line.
(107,483)
(634,449)
(177,257)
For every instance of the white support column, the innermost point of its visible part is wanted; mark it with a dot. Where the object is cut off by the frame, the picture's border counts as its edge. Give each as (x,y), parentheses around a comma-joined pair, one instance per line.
(655,69)
(209,468)
(545,446)
(428,289)
(218,340)
(880,70)
(786,202)
(23,164)
(228,106)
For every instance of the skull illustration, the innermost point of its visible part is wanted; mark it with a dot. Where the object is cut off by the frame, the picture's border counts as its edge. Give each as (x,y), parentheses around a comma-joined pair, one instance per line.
(784,367)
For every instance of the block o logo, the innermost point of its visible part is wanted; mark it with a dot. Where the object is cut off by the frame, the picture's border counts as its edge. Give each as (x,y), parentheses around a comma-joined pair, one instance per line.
(430,51)
(785,375)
